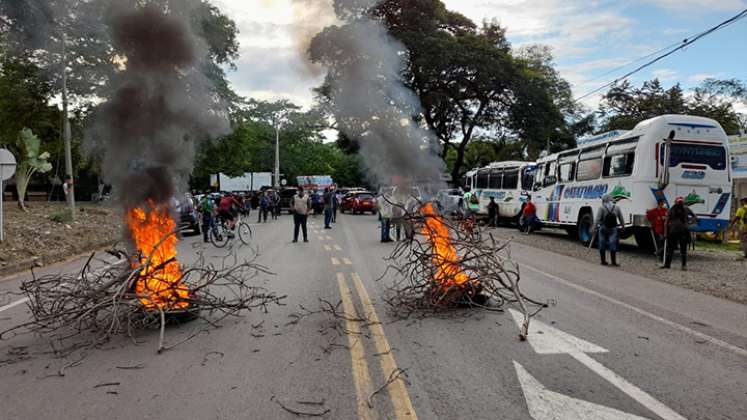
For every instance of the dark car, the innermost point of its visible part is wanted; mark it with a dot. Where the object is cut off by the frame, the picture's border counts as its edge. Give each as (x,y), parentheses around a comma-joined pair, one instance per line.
(359,202)
(286,199)
(317,202)
(188,217)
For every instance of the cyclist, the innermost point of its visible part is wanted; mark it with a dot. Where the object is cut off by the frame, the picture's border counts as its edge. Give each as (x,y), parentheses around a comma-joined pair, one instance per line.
(226,212)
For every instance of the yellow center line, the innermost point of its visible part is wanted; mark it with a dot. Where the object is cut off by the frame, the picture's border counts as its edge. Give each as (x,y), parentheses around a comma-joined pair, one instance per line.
(361,375)
(398,393)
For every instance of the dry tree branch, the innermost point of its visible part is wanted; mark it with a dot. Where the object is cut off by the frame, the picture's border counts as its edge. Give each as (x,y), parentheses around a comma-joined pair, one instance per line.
(82,311)
(420,284)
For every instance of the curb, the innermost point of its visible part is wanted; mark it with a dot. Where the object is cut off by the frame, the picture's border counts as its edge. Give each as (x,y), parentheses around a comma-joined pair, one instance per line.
(13,270)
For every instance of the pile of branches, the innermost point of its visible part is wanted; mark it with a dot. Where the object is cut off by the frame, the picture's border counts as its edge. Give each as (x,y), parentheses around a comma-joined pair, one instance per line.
(84,310)
(493,278)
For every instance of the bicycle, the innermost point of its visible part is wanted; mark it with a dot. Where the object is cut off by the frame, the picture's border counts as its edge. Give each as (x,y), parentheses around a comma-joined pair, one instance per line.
(220,234)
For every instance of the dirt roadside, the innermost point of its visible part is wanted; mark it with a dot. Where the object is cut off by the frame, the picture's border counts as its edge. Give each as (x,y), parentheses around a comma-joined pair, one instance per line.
(45,235)
(715,272)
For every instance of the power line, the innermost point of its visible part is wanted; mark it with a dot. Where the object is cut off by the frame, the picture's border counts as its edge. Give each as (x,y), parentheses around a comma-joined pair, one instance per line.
(679,46)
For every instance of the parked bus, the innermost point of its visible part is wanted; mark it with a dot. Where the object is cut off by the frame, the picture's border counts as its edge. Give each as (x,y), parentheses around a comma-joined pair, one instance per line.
(632,167)
(508,182)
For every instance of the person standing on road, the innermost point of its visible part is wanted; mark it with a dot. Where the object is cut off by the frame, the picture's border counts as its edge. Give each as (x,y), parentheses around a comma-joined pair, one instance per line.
(264,208)
(740,222)
(607,229)
(301,205)
(492,213)
(207,210)
(275,205)
(679,220)
(385,213)
(335,203)
(657,218)
(471,203)
(529,220)
(328,199)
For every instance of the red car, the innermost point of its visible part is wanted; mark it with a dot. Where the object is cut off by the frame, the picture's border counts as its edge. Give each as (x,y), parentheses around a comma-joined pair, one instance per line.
(359,202)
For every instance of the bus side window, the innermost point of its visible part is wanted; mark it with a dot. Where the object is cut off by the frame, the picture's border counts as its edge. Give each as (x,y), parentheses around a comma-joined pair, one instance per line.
(511,179)
(496,175)
(482,180)
(550,176)
(567,171)
(619,165)
(527,179)
(539,177)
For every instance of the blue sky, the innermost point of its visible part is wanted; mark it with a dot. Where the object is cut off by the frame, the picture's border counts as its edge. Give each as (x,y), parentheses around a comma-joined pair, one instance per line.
(589,38)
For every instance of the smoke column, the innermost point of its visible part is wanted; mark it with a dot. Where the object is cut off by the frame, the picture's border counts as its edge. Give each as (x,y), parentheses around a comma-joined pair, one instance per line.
(159,106)
(373,105)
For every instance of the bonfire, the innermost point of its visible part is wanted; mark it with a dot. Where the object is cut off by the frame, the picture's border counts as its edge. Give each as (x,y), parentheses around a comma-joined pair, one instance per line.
(445,266)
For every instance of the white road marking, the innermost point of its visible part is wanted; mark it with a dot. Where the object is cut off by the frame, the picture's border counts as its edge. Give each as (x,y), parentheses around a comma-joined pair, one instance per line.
(697,334)
(544,404)
(335,261)
(13,304)
(545,339)
(347,261)
(337,248)
(327,248)
(329,238)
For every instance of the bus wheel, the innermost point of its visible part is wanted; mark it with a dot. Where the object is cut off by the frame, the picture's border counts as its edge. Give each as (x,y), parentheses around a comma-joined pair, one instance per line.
(585,227)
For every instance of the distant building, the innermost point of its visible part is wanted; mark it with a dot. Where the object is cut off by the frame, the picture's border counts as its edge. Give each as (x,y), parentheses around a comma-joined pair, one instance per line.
(738,147)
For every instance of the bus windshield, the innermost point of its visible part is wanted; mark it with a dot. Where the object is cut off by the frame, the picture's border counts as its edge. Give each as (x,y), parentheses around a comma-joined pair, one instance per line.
(713,156)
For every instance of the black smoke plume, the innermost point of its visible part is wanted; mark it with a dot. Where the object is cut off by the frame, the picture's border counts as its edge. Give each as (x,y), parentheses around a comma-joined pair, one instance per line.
(158,109)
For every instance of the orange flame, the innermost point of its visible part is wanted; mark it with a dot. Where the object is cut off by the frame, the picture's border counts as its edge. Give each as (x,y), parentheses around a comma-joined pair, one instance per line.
(160,285)
(448,270)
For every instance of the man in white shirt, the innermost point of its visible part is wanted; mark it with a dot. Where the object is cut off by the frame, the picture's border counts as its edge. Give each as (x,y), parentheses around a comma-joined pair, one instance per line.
(301,206)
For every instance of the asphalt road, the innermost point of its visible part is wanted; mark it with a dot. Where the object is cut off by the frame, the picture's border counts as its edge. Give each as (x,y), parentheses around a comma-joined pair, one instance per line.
(612,345)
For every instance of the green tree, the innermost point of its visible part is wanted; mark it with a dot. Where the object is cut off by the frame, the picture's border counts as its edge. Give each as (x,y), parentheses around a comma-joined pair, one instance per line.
(30,161)
(625,105)
(469,81)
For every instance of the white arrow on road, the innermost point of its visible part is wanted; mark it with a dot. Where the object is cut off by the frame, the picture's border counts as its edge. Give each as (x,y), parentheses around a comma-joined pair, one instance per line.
(545,339)
(548,405)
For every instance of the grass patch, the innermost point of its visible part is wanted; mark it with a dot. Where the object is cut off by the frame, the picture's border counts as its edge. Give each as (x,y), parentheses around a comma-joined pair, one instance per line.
(62,217)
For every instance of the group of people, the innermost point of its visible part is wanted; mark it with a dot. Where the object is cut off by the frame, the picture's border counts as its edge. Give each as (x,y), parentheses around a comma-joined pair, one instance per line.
(393,205)
(670,228)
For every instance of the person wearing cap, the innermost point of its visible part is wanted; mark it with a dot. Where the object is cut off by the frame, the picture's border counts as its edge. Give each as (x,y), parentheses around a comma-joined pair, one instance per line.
(679,220)
(740,222)
(606,227)
(657,218)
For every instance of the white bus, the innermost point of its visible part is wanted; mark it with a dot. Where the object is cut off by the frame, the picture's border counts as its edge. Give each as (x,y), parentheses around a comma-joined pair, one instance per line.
(509,183)
(631,166)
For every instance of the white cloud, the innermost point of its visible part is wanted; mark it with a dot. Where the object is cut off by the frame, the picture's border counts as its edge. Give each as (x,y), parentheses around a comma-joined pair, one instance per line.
(665,75)
(697,78)
(687,6)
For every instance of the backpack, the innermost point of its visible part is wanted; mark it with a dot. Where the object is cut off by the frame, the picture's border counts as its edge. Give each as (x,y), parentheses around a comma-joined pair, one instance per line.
(474,199)
(610,219)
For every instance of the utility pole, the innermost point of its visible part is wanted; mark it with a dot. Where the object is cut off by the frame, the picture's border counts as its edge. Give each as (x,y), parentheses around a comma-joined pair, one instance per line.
(277,153)
(66,132)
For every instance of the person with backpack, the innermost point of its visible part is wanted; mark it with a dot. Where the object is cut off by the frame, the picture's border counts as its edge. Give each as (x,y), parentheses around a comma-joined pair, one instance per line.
(606,228)
(740,223)
(679,220)
(206,208)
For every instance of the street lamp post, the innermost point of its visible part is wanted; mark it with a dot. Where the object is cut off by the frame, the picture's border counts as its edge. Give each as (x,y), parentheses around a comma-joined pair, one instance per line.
(67,134)
(277,154)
